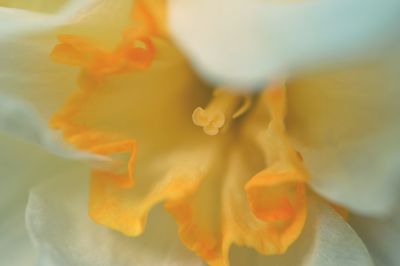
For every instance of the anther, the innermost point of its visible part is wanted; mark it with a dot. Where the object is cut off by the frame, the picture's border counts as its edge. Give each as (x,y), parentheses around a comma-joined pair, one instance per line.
(224,106)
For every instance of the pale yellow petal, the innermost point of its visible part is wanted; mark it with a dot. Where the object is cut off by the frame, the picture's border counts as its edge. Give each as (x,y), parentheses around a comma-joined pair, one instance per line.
(250,42)
(325,240)
(380,235)
(45,6)
(247,197)
(65,235)
(32,85)
(217,214)
(345,123)
(22,166)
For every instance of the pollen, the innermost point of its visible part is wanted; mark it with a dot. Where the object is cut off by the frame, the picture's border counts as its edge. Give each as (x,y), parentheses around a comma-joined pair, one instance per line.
(221,110)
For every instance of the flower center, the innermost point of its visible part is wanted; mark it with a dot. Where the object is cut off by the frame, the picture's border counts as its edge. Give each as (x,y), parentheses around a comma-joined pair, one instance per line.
(220,111)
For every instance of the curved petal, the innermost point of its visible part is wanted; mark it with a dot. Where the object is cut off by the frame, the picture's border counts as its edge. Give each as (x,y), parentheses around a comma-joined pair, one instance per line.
(33,19)
(326,240)
(45,6)
(22,166)
(61,229)
(158,94)
(19,119)
(166,176)
(27,73)
(248,43)
(236,203)
(206,190)
(216,214)
(128,95)
(345,124)
(381,236)
(15,246)
(23,46)
(26,69)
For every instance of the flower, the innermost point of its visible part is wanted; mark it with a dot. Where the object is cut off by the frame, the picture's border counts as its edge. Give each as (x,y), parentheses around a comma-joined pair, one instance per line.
(232,167)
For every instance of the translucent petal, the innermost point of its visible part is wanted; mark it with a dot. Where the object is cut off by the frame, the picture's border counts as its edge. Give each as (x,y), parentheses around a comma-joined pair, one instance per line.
(326,240)
(32,18)
(26,68)
(135,105)
(65,235)
(19,119)
(27,73)
(140,103)
(202,179)
(216,214)
(45,6)
(381,236)
(248,198)
(247,43)
(345,124)
(15,245)
(22,166)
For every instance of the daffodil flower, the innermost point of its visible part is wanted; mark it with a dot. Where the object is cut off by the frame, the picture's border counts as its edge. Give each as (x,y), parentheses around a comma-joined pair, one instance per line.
(271,176)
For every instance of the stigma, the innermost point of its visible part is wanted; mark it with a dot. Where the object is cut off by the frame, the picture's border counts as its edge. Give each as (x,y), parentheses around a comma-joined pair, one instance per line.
(224,106)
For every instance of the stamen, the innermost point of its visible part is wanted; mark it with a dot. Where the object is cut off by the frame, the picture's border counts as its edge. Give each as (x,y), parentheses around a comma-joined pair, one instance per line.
(222,109)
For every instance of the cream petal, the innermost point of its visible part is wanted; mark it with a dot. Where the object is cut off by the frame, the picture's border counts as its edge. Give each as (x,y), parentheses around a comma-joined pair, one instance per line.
(22,165)
(60,227)
(326,240)
(26,69)
(27,40)
(345,124)
(32,85)
(45,6)
(19,119)
(246,43)
(381,237)
(31,36)
(94,21)
(15,245)
(33,19)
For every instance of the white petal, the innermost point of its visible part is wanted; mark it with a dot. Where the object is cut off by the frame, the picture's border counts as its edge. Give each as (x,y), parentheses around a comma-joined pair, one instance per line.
(15,245)
(58,221)
(32,86)
(338,243)
(27,39)
(26,70)
(345,123)
(17,21)
(19,119)
(22,165)
(326,240)
(247,42)
(45,6)
(381,237)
